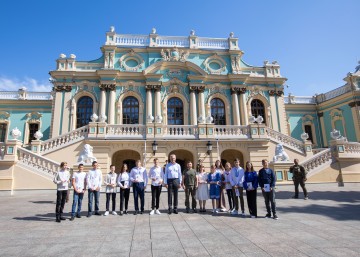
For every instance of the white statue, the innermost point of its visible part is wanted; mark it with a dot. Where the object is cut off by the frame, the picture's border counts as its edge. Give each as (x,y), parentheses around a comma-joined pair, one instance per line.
(86,156)
(280,154)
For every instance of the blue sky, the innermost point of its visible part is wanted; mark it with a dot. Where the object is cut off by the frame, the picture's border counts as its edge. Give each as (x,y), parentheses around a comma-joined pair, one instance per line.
(316,42)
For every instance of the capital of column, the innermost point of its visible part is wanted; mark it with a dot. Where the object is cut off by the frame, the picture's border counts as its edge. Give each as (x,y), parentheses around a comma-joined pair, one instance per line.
(276,92)
(238,90)
(62,88)
(197,88)
(107,87)
(354,104)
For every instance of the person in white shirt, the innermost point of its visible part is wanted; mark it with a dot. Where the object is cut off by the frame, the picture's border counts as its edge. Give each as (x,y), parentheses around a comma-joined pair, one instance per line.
(61,179)
(236,181)
(228,187)
(110,183)
(172,181)
(157,177)
(124,184)
(138,178)
(94,182)
(79,185)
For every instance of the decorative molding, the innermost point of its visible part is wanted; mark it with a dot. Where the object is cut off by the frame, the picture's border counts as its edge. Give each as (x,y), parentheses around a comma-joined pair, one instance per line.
(33,117)
(276,92)
(64,87)
(4,116)
(215,59)
(214,89)
(131,55)
(107,87)
(354,104)
(174,54)
(238,90)
(235,64)
(131,86)
(255,90)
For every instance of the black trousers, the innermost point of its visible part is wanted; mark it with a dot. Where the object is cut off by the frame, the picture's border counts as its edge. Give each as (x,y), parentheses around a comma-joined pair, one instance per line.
(155,196)
(113,198)
(251,200)
(190,190)
(230,198)
(60,201)
(173,189)
(302,184)
(236,200)
(269,198)
(124,198)
(139,190)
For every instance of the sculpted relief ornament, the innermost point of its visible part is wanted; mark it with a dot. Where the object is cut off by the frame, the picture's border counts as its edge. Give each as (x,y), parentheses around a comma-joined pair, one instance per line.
(131,61)
(235,64)
(174,55)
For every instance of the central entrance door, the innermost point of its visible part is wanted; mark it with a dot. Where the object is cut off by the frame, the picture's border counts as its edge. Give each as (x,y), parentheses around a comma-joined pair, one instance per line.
(125,156)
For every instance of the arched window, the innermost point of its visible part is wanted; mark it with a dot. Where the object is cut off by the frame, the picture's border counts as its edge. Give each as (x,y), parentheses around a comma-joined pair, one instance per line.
(218,111)
(130,110)
(84,111)
(175,111)
(258,109)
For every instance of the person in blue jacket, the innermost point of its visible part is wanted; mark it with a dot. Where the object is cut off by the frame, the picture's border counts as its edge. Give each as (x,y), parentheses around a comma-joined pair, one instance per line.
(250,185)
(267,182)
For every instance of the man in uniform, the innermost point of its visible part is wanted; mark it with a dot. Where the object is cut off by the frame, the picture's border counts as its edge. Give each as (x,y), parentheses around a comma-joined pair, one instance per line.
(189,183)
(299,178)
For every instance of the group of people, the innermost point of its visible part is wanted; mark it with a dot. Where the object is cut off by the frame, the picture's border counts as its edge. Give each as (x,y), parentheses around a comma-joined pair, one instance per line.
(233,180)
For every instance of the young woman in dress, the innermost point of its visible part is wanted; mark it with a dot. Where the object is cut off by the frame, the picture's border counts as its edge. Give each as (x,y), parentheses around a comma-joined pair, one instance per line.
(202,193)
(123,182)
(219,168)
(214,179)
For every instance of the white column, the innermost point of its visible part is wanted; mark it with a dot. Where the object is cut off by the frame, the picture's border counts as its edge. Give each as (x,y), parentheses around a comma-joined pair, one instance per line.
(102,102)
(235,107)
(243,110)
(202,103)
(148,103)
(193,108)
(111,118)
(158,101)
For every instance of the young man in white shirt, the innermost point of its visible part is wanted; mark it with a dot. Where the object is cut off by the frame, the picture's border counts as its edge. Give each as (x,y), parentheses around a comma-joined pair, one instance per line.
(61,179)
(94,182)
(157,177)
(79,185)
(110,183)
(172,181)
(236,181)
(139,179)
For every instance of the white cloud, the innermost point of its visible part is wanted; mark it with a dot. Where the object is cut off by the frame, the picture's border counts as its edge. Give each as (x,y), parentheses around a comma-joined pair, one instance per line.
(31,84)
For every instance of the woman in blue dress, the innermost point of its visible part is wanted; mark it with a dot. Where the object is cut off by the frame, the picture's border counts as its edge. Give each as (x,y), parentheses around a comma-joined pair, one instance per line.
(250,185)
(214,179)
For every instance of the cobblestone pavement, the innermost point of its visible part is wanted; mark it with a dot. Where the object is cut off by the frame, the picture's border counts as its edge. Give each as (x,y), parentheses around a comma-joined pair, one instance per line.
(328,224)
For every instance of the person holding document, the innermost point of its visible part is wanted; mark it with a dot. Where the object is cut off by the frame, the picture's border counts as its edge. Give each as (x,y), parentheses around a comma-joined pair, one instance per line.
(251,185)
(267,181)
(157,177)
(123,182)
(236,181)
(61,179)
(110,183)
(139,179)
(94,182)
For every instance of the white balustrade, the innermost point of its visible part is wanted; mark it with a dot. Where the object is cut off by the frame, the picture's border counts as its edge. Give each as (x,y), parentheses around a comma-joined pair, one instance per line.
(232,131)
(63,140)
(132,40)
(213,43)
(293,143)
(181,131)
(317,160)
(125,131)
(37,163)
(171,41)
(9,95)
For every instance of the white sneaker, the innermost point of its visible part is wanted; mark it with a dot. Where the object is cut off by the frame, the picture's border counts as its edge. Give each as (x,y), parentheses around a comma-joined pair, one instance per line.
(216,210)
(106,213)
(152,212)
(157,212)
(234,212)
(114,213)
(243,214)
(223,209)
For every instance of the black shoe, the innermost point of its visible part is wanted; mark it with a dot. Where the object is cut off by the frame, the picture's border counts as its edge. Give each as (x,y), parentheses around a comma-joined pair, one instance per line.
(194,211)
(141,212)
(175,211)
(136,212)
(72,218)
(62,218)
(121,213)
(187,210)
(78,216)
(97,214)
(169,211)
(295,197)
(275,217)
(89,215)
(126,212)
(268,215)
(58,219)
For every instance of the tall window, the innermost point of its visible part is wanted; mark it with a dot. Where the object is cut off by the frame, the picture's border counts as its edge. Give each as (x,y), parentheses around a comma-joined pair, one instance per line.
(218,111)
(3,127)
(33,127)
(84,111)
(258,109)
(130,110)
(308,130)
(175,111)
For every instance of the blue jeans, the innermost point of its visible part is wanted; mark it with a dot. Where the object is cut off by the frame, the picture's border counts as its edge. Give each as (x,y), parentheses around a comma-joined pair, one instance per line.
(138,189)
(77,200)
(96,195)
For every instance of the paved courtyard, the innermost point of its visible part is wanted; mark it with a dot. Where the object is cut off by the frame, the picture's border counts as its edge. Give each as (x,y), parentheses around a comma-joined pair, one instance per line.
(328,224)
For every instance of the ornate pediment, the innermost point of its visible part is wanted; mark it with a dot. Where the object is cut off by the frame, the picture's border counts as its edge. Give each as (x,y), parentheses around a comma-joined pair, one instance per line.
(33,117)
(174,55)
